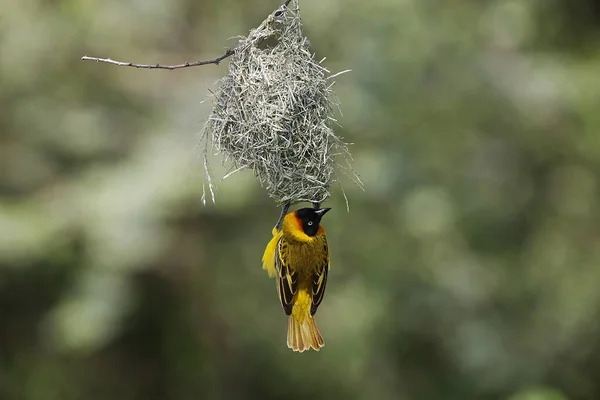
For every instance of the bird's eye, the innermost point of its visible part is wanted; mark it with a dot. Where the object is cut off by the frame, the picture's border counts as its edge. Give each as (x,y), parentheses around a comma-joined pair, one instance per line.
(310,223)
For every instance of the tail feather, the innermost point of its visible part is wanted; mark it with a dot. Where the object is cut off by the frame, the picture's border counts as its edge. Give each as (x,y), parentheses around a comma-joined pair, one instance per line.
(305,335)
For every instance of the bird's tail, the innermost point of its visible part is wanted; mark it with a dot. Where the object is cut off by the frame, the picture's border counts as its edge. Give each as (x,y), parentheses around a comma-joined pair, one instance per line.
(304,335)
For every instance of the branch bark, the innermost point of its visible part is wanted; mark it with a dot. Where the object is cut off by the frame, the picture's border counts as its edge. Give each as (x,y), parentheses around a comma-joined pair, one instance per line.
(215,61)
(187,64)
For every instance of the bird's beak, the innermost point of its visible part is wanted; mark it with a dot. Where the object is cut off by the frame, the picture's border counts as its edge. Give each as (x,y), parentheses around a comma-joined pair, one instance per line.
(322,212)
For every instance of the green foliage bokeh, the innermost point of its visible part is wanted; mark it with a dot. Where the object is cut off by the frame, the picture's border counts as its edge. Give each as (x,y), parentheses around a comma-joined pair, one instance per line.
(467,269)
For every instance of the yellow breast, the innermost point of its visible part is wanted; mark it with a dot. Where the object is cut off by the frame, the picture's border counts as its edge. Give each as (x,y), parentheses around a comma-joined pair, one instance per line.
(304,257)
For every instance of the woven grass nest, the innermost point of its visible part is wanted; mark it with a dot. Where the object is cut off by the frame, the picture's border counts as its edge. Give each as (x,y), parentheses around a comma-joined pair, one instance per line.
(273,113)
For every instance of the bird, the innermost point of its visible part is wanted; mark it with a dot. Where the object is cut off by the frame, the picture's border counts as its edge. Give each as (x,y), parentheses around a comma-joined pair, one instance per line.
(297,257)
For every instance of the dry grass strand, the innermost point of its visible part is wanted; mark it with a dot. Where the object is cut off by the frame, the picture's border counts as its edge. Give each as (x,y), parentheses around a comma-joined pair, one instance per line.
(273,114)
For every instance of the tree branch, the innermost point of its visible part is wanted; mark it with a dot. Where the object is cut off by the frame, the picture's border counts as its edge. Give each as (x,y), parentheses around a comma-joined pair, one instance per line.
(216,61)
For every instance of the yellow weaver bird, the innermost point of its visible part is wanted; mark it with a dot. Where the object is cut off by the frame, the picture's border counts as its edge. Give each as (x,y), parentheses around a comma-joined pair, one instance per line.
(298,257)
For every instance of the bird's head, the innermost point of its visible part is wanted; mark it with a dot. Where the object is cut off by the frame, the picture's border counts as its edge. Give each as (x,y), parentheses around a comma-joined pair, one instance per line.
(310,219)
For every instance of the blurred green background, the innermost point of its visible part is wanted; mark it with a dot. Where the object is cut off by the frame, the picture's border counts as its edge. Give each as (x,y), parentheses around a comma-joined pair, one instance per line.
(468,269)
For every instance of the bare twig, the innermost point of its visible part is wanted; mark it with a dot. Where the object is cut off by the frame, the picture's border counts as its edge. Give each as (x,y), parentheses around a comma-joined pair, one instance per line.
(216,61)
(287,3)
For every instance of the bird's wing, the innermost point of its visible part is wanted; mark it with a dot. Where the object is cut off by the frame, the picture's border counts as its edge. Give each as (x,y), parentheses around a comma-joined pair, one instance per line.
(268,259)
(320,278)
(287,279)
